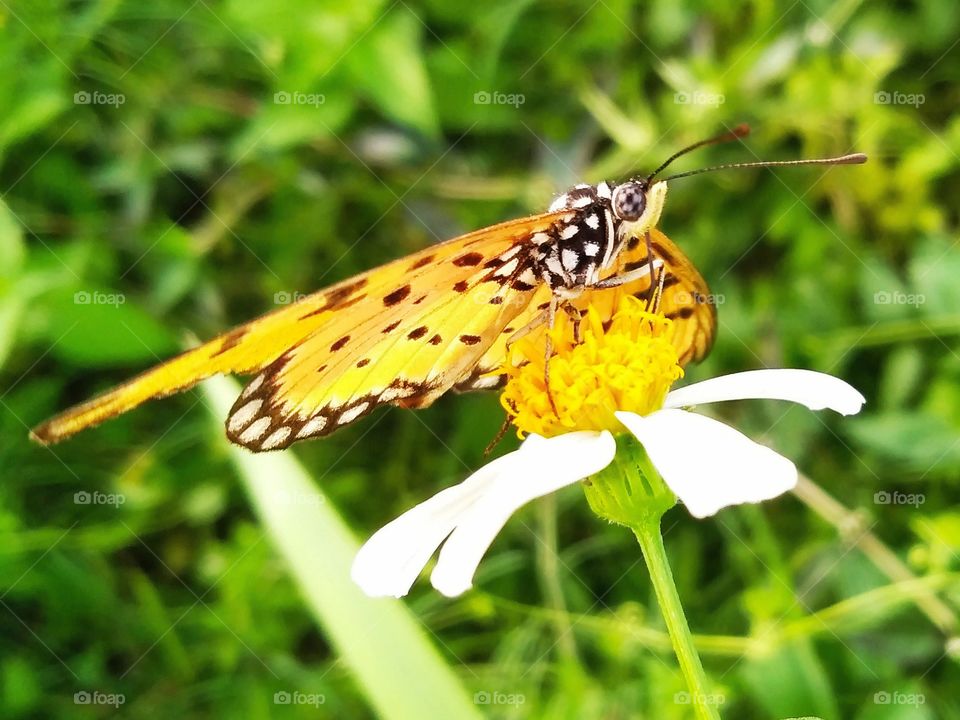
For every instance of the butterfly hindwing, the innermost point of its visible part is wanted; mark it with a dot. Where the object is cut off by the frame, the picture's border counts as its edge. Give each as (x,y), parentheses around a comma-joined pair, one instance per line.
(686,300)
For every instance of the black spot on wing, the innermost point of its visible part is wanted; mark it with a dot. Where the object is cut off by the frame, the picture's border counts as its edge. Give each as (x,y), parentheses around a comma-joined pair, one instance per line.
(342,305)
(468,259)
(230,341)
(425,260)
(396,296)
(683,313)
(636,264)
(663,253)
(337,295)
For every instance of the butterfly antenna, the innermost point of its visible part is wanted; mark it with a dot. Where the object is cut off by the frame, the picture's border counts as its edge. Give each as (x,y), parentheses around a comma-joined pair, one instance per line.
(741,130)
(851,159)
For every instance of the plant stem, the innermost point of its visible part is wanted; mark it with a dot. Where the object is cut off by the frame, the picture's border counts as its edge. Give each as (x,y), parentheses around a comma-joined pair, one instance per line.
(647,532)
(852,526)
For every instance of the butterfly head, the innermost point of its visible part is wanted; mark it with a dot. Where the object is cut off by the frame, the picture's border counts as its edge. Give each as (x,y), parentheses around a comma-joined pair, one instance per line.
(637,204)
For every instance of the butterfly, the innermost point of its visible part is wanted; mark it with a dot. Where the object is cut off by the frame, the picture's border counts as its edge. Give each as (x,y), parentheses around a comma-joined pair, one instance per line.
(441,319)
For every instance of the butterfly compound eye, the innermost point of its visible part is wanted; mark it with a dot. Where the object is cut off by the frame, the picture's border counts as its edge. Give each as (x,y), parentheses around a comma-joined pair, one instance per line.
(629,201)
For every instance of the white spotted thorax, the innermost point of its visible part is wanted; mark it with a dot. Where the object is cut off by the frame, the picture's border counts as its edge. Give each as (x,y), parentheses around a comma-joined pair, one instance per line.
(576,250)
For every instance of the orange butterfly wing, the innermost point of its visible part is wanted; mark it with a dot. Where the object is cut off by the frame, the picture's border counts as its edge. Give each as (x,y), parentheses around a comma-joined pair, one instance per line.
(362,302)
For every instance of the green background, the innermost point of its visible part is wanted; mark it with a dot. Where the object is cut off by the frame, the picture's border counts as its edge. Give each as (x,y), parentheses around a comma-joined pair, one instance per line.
(201,201)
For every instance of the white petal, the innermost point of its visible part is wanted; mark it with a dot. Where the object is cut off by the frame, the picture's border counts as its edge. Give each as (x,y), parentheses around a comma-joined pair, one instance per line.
(390,561)
(709,465)
(814,389)
(541,466)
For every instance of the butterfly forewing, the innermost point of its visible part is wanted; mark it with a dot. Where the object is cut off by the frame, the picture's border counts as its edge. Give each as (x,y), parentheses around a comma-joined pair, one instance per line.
(258,344)
(406,346)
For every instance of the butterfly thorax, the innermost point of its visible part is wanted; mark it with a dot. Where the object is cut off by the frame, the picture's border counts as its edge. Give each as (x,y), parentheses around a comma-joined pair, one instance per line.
(579,246)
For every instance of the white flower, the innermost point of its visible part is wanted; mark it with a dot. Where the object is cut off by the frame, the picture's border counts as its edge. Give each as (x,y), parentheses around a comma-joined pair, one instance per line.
(706,463)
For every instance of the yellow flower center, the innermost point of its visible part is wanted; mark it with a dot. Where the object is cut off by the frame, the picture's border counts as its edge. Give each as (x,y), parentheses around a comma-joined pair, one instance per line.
(629,365)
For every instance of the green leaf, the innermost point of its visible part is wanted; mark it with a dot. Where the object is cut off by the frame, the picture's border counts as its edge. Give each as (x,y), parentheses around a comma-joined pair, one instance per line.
(97,327)
(391,656)
(387,66)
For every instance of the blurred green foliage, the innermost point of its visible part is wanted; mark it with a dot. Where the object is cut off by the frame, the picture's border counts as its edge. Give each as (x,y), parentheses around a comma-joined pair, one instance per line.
(150,164)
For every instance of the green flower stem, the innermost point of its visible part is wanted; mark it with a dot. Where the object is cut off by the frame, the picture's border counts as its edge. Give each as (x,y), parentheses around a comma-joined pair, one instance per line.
(651,543)
(631,492)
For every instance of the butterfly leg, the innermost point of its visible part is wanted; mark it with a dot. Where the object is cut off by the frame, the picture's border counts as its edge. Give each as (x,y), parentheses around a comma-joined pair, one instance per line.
(576,316)
(549,315)
(548,351)
(627,277)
